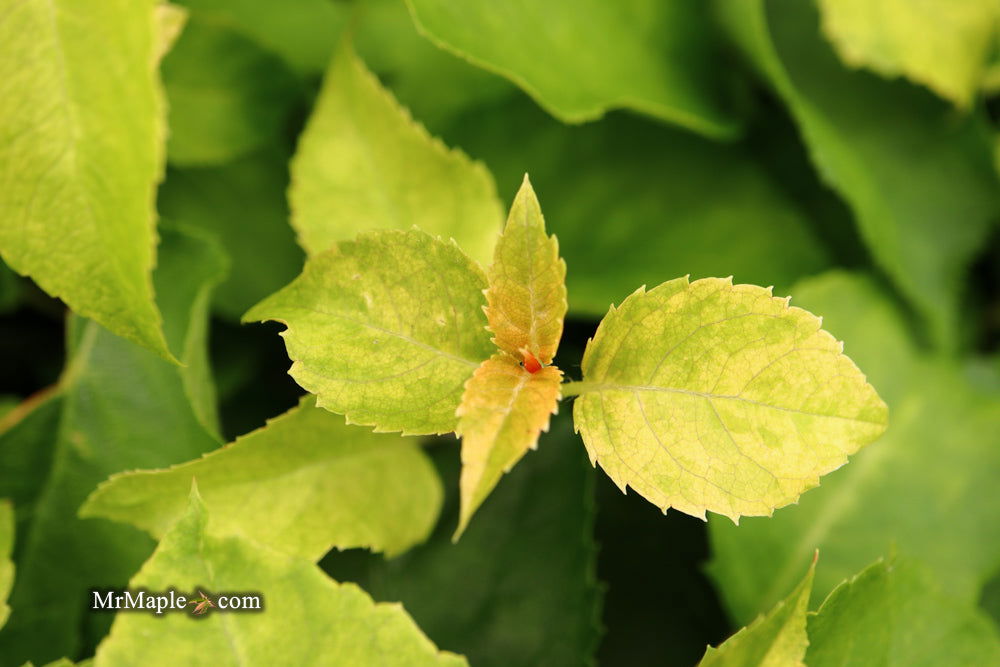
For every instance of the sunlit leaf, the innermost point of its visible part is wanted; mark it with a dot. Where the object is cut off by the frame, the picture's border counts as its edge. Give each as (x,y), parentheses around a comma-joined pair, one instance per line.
(308,618)
(301,485)
(709,396)
(385,329)
(363,163)
(942,45)
(81,132)
(924,489)
(503,411)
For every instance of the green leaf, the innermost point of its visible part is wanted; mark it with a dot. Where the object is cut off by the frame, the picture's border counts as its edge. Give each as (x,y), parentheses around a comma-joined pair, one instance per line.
(894,613)
(6,554)
(503,411)
(308,617)
(363,163)
(581,59)
(942,45)
(301,32)
(227,96)
(385,329)
(300,485)
(526,299)
(120,408)
(435,85)
(709,396)
(242,203)
(28,435)
(81,134)
(919,180)
(915,490)
(529,594)
(777,639)
(633,201)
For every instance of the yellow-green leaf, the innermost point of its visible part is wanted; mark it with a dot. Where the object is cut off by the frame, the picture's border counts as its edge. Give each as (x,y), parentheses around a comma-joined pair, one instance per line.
(503,411)
(777,639)
(385,329)
(363,163)
(943,45)
(342,624)
(6,552)
(81,144)
(720,397)
(526,299)
(304,483)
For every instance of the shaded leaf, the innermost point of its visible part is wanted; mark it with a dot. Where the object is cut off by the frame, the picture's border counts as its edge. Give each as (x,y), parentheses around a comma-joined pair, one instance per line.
(912,491)
(432,83)
(363,163)
(242,203)
(503,411)
(81,133)
(227,96)
(300,485)
(342,623)
(385,329)
(6,556)
(919,181)
(578,60)
(527,565)
(709,396)
(894,613)
(120,408)
(777,639)
(942,45)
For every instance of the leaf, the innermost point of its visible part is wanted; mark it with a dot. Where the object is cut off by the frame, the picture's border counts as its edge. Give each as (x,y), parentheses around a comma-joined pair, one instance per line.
(242,204)
(435,85)
(775,640)
(894,613)
(28,434)
(526,299)
(301,32)
(308,617)
(300,485)
(363,164)
(508,401)
(527,565)
(911,492)
(385,329)
(943,45)
(227,95)
(904,164)
(710,396)
(120,407)
(579,60)
(81,133)
(632,201)
(503,411)
(6,554)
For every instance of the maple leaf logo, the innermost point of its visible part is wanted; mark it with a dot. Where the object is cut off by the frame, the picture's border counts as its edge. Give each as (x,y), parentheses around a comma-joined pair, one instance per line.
(202,603)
